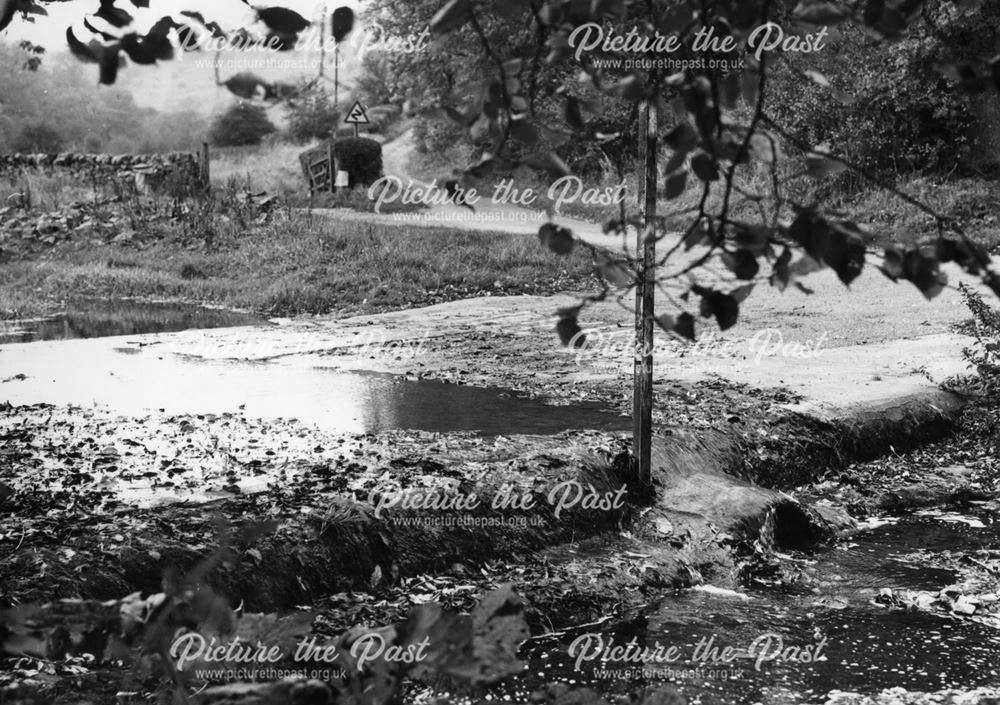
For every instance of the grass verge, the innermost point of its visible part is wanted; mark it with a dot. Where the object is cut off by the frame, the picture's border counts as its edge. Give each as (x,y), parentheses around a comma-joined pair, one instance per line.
(291,264)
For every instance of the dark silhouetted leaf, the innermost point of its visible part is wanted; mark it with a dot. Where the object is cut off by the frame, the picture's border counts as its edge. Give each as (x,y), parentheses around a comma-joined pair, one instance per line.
(676,184)
(570,332)
(682,139)
(245,85)
(968,255)
(705,168)
(114,16)
(780,273)
(80,50)
(556,238)
(574,117)
(723,307)
(342,23)
(684,326)
(616,273)
(524,131)
(109,61)
(281,20)
(7,10)
(741,263)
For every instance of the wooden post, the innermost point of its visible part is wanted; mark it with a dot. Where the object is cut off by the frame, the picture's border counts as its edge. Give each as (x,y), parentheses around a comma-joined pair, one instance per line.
(206,166)
(332,166)
(642,374)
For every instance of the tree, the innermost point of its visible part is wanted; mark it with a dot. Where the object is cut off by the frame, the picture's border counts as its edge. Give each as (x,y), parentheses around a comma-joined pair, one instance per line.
(38,138)
(722,126)
(243,124)
(311,115)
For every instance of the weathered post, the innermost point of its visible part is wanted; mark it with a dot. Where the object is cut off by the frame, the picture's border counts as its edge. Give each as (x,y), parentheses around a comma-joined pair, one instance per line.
(206,166)
(642,393)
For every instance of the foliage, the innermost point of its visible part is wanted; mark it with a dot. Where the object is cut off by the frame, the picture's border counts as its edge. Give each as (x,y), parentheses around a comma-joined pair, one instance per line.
(984,354)
(311,115)
(891,109)
(38,138)
(243,124)
(58,96)
(360,157)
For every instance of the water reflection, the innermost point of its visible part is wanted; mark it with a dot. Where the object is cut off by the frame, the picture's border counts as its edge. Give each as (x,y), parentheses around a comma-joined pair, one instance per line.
(100,318)
(136,380)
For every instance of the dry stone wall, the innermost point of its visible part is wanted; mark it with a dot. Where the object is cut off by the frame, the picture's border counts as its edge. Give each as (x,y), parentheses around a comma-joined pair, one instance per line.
(150,169)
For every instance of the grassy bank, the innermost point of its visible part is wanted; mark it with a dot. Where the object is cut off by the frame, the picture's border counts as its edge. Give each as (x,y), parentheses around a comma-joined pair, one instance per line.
(291,264)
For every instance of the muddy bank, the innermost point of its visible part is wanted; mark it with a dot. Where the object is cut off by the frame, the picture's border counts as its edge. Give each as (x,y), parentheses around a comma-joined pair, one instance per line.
(107,505)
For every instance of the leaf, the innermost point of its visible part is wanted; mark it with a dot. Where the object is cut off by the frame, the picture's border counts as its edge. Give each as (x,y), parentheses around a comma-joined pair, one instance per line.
(705,168)
(615,272)
(723,307)
(676,185)
(109,61)
(832,244)
(524,131)
(80,50)
(741,293)
(780,272)
(570,332)
(114,16)
(342,22)
(245,85)
(915,266)
(556,238)
(741,263)
(282,20)
(499,631)
(154,47)
(573,114)
(684,326)
(682,139)
(968,255)
(7,10)
(452,16)
(448,639)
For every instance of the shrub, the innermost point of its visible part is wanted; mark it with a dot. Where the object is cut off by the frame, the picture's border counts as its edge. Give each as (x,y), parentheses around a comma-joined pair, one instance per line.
(311,115)
(243,124)
(38,138)
(361,158)
(984,354)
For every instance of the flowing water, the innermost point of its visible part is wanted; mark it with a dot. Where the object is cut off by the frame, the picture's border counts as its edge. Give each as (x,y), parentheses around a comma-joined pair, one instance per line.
(766,645)
(801,645)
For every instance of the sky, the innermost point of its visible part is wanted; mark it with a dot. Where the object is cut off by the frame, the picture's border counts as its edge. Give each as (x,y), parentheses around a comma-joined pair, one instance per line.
(50,31)
(188,81)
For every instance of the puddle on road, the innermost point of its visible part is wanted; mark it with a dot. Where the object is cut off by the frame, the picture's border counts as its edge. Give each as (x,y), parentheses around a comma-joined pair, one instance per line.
(135,379)
(102,318)
(134,382)
(868,648)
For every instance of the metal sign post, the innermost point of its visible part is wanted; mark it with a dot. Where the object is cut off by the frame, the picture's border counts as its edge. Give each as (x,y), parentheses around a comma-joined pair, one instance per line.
(356,116)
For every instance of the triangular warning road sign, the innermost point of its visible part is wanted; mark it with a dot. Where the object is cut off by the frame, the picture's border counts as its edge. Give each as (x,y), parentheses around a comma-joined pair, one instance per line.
(357,114)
